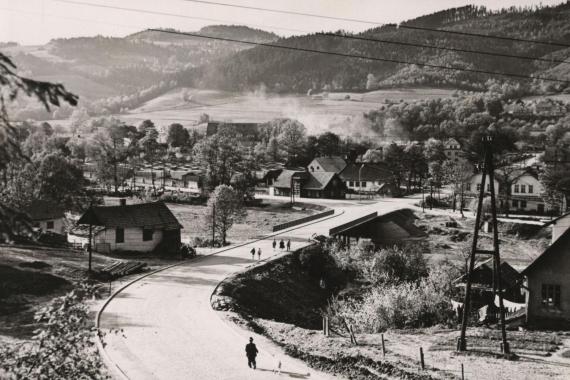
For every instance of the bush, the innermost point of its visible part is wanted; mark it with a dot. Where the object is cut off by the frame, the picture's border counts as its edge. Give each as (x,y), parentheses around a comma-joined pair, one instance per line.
(319,264)
(187,251)
(202,242)
(394,265)
(400,305)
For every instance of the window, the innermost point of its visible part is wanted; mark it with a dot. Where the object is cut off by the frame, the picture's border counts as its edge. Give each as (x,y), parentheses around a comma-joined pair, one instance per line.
(351,184)
(363,183)
(551,295)
(516,204)
(468,186)
(488,187)
(356,184)
(523,189)
(478,187)
(147,234)
(119,235)
(523,204)
(516,190)
(49,225)
(530,189)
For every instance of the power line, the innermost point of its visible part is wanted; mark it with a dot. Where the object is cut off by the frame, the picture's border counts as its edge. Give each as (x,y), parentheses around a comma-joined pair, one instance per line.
(282,11)
(352,37)
(345,36)
(138,10)
(305,50)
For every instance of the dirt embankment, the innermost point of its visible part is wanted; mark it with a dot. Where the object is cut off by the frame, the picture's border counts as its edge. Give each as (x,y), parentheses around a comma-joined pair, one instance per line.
(279,290)
(283,299)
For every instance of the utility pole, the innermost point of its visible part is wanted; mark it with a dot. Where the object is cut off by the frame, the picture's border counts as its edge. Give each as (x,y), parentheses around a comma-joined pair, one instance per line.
(360,183)
(488,170)
(90,242)
(213,224)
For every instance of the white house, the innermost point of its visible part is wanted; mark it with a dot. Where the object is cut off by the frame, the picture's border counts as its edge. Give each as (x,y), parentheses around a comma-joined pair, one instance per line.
(452,149)
(46,217)
(526,194)
(334,164)
(143,227)
(473,185)
(366,178)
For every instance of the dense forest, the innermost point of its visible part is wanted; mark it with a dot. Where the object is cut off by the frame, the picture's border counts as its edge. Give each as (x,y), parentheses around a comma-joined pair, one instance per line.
(112,75)
(287,71)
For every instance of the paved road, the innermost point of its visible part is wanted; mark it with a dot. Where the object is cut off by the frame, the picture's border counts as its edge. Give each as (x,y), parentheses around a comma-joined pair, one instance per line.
(169,331)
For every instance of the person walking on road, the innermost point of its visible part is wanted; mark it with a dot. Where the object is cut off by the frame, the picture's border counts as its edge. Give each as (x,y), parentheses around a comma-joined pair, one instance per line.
(258,253)
(252,253)
(274,244)
(251,353)
(281,245)
(288,245)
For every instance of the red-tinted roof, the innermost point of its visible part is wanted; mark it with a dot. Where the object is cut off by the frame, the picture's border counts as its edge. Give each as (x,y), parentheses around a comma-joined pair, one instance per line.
(147,215)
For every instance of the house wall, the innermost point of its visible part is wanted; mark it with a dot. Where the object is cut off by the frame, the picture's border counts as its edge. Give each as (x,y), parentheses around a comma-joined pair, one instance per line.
(471,185)
(58,226)
(314,166)
(560,226)
(370,185)
(133,240)
(553,270)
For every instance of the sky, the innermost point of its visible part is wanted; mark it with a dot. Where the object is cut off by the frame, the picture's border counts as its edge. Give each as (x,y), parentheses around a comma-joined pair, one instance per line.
(35,22)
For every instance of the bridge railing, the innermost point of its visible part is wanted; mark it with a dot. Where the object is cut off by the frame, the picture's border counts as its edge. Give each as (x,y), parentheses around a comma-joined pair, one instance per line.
(306,219)
(335,230)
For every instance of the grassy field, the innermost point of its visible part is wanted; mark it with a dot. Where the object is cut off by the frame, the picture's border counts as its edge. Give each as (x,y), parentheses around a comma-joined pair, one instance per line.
(318,114)
(259,220)
(451,243)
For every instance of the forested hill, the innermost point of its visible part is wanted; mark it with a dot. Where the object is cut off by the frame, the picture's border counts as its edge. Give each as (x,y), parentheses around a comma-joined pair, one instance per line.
(98,67)
(285,70)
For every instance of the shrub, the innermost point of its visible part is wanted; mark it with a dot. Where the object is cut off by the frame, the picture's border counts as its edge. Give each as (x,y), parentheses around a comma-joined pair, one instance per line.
(395,265)
(187,251)
(62,348)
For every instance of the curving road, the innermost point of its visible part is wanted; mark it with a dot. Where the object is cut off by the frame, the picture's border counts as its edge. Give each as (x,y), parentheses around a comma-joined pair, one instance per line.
(168,330)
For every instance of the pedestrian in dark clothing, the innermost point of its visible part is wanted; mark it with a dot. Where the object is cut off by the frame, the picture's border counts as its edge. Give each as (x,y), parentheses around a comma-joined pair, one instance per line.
(252,253)
(259,253)
(274,244)
(281,245)
(251,353)
(289,245)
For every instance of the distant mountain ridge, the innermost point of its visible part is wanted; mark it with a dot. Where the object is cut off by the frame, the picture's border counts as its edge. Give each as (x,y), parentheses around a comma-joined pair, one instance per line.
(284,70)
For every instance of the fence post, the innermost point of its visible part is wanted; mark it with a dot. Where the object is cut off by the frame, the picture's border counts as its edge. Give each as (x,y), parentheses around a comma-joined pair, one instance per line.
(383,346)
(352,336)
(423,364)
(462,372)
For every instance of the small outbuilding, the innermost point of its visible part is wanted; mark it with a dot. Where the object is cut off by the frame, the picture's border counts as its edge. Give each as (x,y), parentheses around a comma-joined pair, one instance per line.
(143,227)
(46,217)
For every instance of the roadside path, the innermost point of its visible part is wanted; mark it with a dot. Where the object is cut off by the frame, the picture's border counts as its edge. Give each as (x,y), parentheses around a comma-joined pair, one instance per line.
(168,330)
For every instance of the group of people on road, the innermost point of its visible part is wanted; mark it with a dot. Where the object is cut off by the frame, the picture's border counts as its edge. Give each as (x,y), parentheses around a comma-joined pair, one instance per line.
(253,253)
(282,244)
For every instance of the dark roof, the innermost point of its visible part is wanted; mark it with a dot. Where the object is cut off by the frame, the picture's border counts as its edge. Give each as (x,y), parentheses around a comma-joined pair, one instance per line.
(284,179)
(331,164)
(44,210)
(404,218)
(318,180)
(553,221)
(561,242)
(369,172)
(149,215)
(483,274)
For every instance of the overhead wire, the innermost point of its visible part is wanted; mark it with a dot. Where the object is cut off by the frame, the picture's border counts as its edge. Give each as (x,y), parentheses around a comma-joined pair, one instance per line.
(344,35)
(364,57)
(401,26)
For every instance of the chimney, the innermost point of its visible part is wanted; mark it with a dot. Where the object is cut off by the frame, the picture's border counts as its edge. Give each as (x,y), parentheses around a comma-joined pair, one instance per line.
(123,202)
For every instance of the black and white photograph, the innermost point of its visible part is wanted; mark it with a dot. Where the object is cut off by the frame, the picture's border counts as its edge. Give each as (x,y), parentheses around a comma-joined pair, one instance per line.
(284,189)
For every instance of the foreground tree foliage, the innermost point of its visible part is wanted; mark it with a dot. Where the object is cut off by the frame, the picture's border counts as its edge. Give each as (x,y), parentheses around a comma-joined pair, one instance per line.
(63,348)
(11,85)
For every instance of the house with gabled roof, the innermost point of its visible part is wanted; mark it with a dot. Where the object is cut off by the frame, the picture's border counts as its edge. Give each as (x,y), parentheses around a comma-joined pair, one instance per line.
(309,184)
(46,216)
(333,164)
(548,283)
(142,227)
(367,178)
